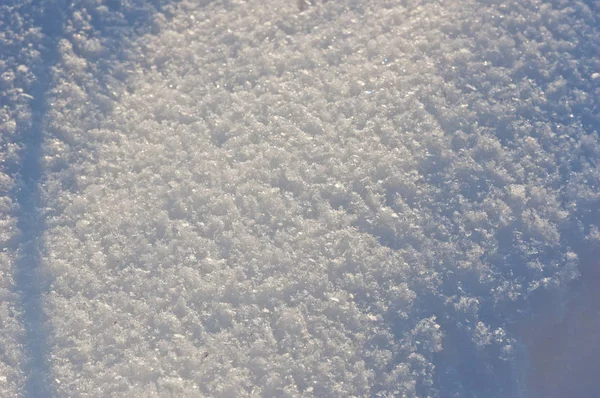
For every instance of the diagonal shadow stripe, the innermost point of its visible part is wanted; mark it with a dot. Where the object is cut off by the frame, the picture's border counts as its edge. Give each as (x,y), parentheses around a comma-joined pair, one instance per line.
(31,222)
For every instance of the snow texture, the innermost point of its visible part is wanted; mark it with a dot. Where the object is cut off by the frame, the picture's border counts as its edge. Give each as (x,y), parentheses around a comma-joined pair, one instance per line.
(275,198)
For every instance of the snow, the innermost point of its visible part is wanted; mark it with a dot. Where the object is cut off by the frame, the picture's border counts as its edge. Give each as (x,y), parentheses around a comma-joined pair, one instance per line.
(326,198)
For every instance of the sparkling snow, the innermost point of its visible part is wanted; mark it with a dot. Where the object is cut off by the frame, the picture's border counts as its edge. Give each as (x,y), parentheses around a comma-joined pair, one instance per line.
(318,198)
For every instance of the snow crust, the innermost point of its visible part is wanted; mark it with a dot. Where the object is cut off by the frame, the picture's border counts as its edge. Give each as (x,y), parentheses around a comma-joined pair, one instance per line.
(329,199)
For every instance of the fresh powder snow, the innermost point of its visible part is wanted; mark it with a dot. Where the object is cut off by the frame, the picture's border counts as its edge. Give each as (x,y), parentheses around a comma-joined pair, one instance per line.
(282,198)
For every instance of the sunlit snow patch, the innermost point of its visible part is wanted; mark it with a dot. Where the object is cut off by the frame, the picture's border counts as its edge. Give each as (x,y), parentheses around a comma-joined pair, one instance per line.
(352,199)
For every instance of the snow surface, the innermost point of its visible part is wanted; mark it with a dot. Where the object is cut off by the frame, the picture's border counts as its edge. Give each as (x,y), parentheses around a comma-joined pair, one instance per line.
(299,198)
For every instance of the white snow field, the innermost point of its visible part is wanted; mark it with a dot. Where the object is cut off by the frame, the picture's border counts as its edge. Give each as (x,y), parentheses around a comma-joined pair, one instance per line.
(282,198)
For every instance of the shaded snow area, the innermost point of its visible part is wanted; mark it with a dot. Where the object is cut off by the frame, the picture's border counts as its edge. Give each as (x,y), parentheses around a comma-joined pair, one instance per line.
(268,198)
